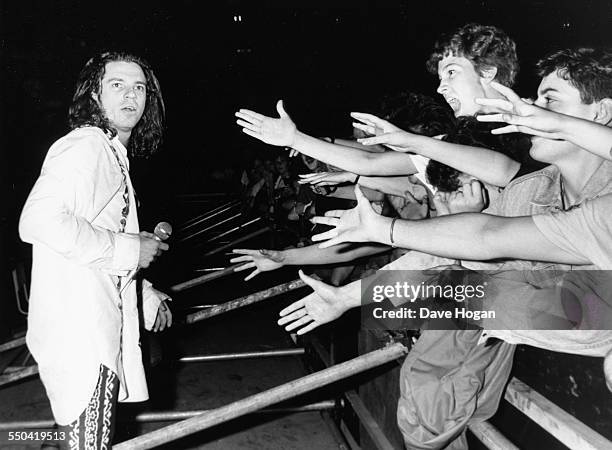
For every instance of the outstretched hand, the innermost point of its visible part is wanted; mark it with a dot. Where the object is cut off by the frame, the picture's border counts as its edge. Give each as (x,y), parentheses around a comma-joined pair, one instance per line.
(383,132)
(521,115)
(352,225)
(322,306)
(262,260)
(279,132)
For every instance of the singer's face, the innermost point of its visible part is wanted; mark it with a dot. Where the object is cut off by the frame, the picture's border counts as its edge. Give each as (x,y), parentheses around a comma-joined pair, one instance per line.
(123,95)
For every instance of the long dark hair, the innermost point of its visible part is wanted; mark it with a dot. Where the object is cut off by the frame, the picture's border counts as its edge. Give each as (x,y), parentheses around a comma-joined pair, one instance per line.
(147,135)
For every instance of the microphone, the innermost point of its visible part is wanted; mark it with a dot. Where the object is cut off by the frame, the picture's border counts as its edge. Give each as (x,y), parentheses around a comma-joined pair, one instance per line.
(162,231)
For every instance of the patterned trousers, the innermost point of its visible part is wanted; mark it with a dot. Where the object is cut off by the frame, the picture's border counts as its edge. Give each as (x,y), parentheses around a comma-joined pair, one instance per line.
(94,428)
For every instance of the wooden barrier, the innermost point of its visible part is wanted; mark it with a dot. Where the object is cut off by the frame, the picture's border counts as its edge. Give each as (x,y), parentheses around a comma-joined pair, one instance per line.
(204,278)
(566,428)
(244,301)
(491,437)
(18,375)
(12,344)
(264,399)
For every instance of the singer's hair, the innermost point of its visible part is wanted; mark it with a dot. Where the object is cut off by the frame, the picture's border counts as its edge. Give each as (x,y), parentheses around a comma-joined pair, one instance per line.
(147,135)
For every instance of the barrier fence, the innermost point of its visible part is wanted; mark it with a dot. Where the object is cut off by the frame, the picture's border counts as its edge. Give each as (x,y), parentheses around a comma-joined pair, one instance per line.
(564,427)
(264,399)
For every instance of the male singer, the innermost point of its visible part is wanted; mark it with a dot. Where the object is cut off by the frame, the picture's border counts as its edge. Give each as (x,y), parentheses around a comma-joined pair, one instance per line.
(81,219)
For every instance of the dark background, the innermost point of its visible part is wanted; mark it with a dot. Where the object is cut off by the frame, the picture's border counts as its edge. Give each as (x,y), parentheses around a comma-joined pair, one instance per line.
(324,58)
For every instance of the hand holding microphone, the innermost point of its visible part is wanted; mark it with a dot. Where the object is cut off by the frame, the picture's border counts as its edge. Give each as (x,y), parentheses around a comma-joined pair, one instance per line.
(151,246)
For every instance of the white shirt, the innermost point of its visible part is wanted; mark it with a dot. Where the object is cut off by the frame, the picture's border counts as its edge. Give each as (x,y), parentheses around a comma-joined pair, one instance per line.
(72,218)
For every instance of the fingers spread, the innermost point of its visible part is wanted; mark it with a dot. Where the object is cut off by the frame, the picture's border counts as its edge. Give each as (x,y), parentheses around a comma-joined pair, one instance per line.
(298,323)
(244,251)
(332,242)
(331,221)
(369,119)
(244,267)
(491,117)
(370,129)
(247,114)
(251,133)
(314,324)
(292,307)
(335,212)
(324,236)
(506,130)
(252,275)
(241,259)
(248,125)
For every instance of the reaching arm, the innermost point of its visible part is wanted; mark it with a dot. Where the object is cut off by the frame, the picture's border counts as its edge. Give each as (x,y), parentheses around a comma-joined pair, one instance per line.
(283,132)
(267,260)
(523,116)
(487,165)
(392,185)
(351,159)
(471,236)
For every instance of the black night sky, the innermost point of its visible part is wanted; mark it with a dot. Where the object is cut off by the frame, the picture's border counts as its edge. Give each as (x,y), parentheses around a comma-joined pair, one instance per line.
(324,58)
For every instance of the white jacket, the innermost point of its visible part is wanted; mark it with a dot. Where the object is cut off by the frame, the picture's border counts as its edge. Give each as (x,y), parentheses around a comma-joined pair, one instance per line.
(72,218)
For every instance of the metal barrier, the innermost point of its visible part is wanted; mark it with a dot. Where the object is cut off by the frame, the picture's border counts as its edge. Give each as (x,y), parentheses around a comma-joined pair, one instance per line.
(210,227)
(243,355)
(233,230)
(171,416)
(237,241)
(209,215)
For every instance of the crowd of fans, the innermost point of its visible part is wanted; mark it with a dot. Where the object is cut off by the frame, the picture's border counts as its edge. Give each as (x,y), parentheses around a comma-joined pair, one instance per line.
(423,172)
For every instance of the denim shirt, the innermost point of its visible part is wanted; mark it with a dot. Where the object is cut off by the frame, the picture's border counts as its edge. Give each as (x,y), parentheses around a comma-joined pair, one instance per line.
(538,193)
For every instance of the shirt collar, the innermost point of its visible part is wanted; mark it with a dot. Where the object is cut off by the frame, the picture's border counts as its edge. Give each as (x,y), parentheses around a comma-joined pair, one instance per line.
(552,195)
